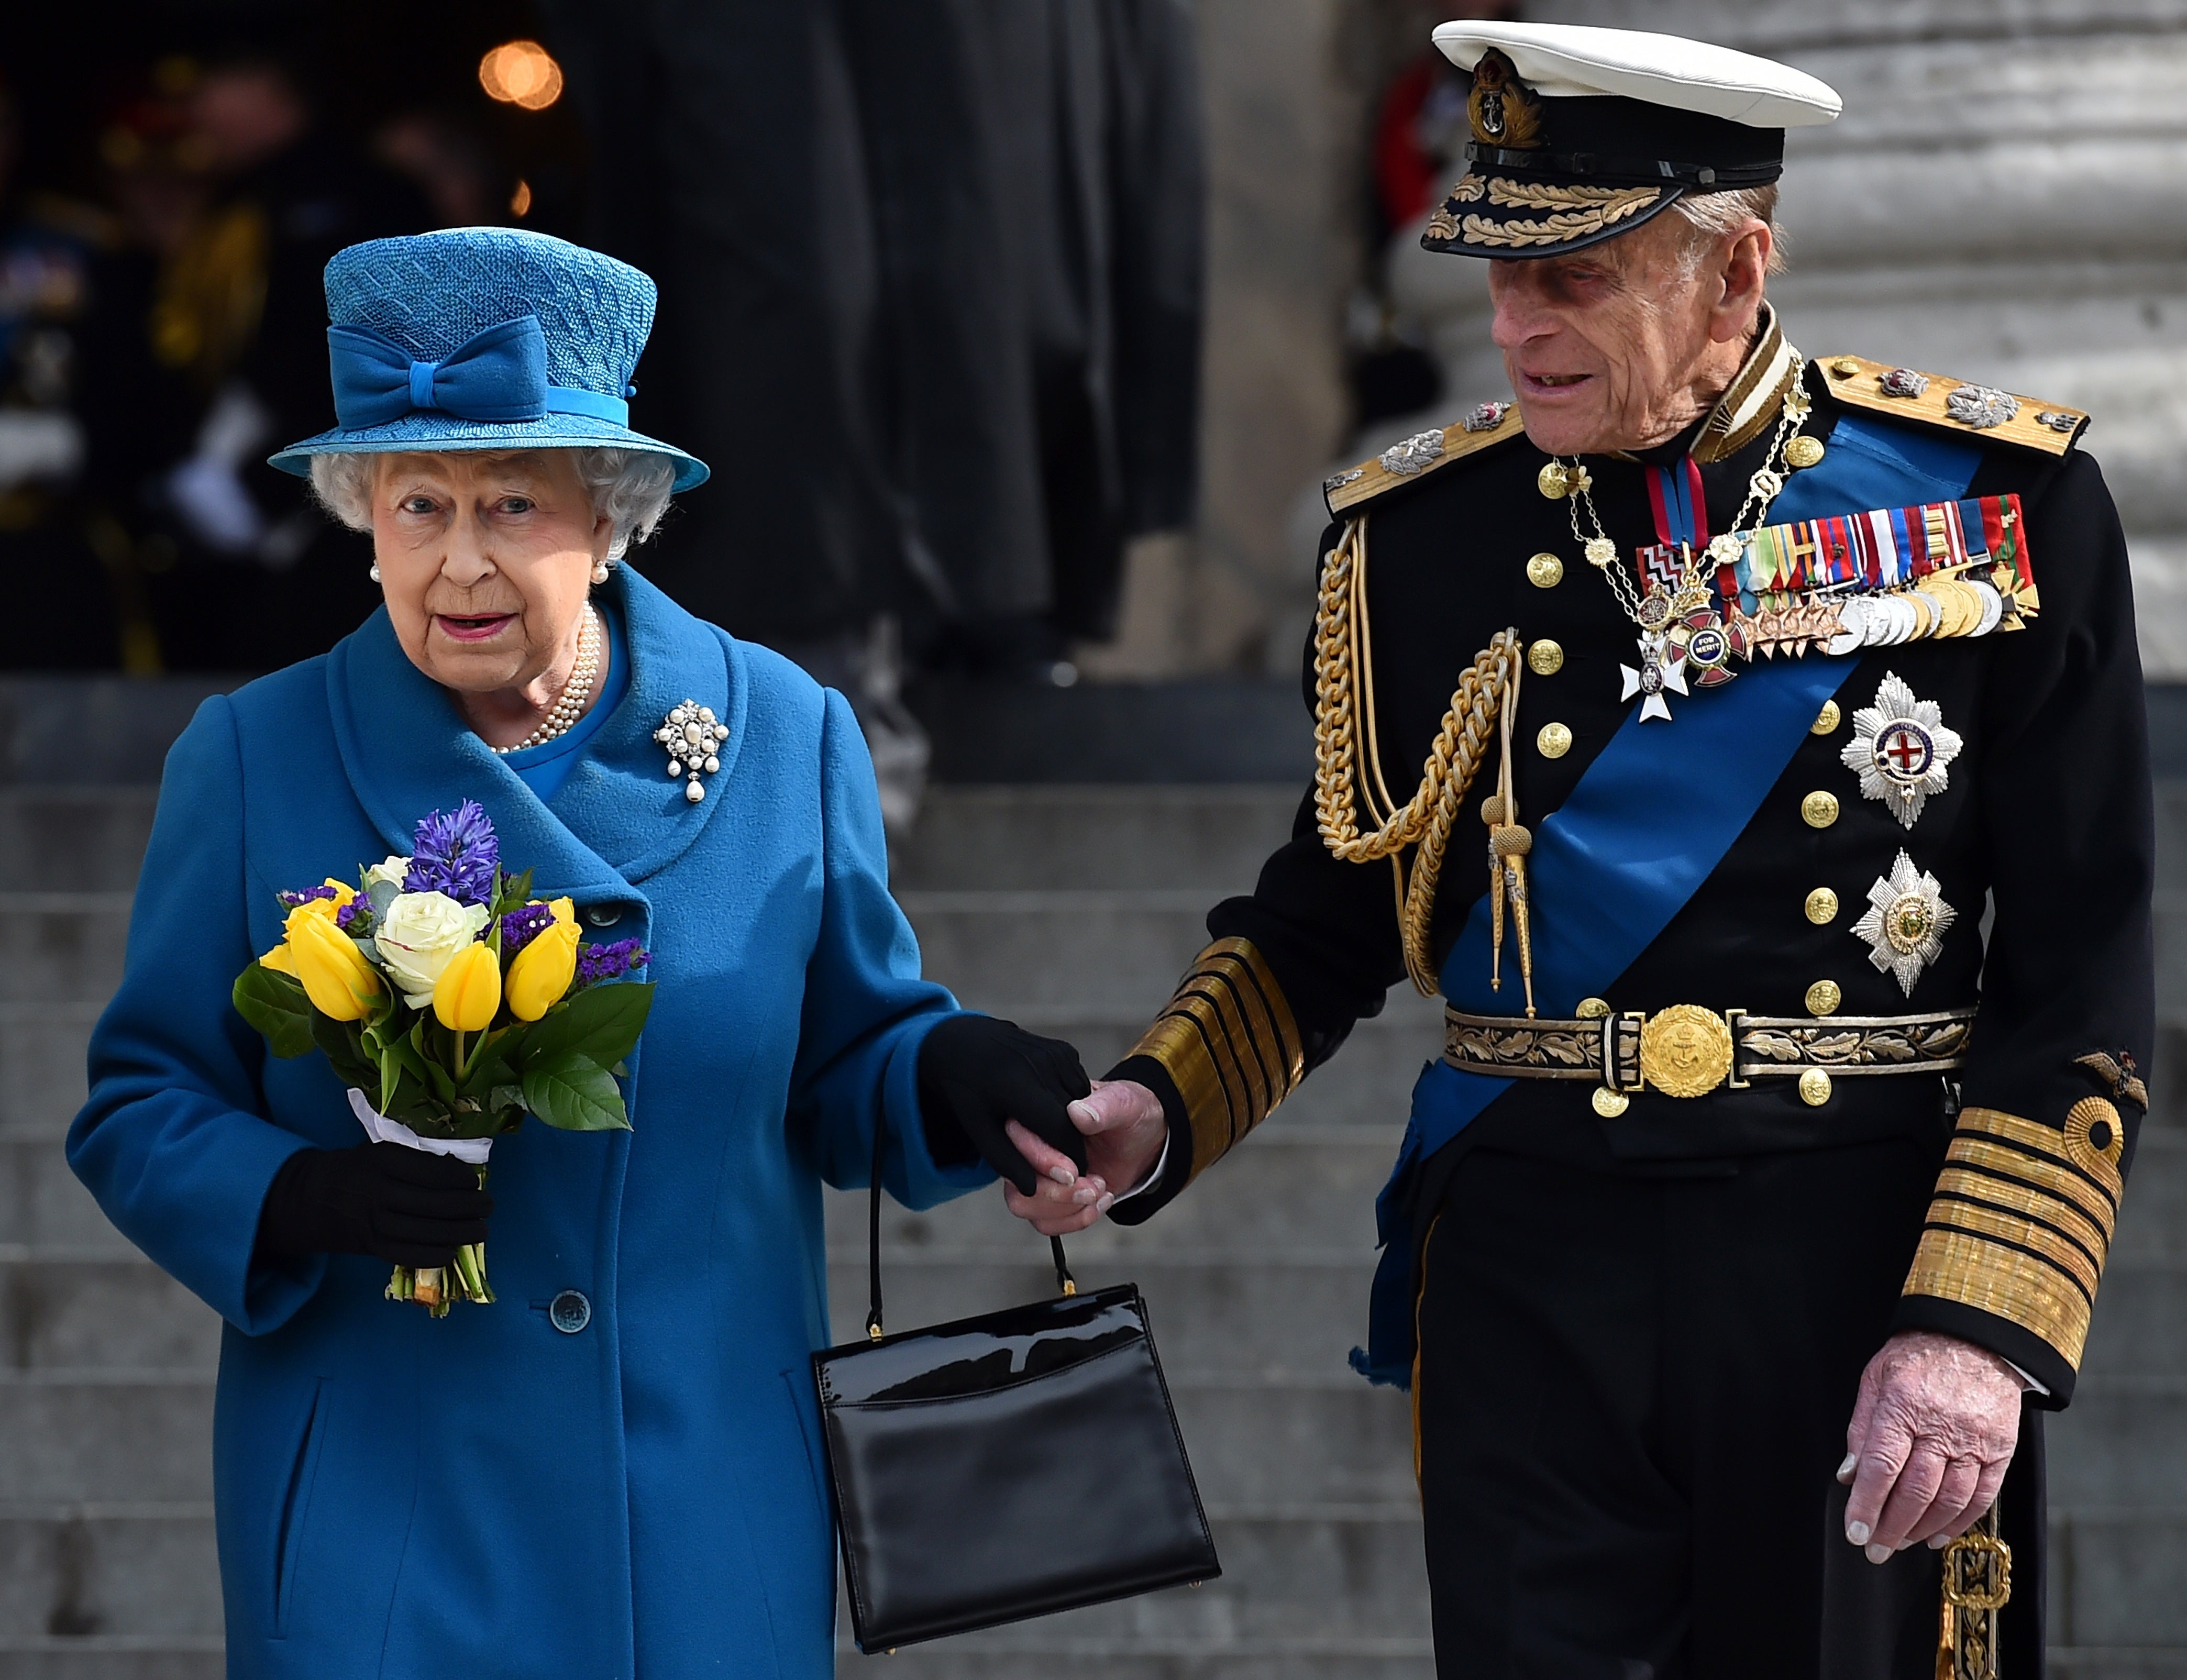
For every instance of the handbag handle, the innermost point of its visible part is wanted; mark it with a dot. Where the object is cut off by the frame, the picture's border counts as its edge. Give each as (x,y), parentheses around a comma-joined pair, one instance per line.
(1064,1283)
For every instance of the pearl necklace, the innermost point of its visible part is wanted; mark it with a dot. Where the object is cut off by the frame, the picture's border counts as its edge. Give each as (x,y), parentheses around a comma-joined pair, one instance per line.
(576,693)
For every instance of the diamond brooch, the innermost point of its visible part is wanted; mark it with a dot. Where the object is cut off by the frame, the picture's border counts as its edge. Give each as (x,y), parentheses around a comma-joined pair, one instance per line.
(692,737)
(1905,923)
(1900,748)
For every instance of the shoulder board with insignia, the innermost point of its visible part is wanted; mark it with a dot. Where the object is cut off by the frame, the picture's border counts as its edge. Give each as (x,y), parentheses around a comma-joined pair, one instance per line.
(1423,453)
(1956,405)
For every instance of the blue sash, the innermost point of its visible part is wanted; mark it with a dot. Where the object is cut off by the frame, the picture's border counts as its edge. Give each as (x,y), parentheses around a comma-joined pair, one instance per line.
(1617,862)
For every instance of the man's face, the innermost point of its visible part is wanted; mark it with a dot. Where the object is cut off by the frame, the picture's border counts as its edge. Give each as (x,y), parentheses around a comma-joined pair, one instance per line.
(1622,344)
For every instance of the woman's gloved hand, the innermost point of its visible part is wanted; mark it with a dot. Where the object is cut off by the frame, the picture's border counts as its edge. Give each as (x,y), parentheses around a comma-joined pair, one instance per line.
(405,1207)
(976,1074)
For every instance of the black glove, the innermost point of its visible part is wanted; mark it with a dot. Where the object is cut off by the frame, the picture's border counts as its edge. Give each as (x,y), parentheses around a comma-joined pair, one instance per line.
(975,1073)
(407,1207)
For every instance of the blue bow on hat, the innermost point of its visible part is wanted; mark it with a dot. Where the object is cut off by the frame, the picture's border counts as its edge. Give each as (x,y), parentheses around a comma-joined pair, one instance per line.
(483,338)
(498,376)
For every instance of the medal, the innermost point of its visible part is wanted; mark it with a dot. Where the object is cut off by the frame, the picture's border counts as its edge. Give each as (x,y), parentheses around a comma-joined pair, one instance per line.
(1901,749)
(1905,923)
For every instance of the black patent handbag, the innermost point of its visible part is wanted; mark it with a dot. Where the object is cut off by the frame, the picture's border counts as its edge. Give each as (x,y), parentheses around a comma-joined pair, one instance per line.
(1005,1466)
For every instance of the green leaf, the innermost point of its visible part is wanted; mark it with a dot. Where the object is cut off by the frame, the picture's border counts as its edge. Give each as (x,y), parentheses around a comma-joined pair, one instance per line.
(575,1093)
(343,1044)
(275,1004)
(429,1063)
(601,1023)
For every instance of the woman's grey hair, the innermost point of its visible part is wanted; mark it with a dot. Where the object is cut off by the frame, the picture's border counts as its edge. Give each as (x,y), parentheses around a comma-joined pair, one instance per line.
(1712,215)
(630,487)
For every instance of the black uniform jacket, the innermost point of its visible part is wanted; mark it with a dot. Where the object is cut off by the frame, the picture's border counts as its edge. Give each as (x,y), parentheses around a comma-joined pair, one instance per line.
(2041,843)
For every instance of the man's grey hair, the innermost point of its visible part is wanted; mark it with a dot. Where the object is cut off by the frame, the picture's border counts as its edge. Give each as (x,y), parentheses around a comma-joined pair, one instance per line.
(629,487)
(1713,216)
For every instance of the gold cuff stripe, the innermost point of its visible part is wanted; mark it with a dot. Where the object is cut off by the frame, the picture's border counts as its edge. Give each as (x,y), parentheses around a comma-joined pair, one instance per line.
(2021,1227)
(1997,1279)
(1180,1045)
(1229,1043)
(2054,1146)
(2011,1197)
(2002,1225)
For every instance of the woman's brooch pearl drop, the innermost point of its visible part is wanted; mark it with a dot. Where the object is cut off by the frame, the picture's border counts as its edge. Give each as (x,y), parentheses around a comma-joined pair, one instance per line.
(692,736)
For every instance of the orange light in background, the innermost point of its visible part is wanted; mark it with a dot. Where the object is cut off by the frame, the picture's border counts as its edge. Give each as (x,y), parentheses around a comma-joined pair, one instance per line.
(521,73)
(519,201)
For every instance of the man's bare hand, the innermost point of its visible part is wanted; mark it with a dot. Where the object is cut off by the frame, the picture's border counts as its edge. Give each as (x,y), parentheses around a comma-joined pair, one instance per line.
(1933,1432)
(1124,1129)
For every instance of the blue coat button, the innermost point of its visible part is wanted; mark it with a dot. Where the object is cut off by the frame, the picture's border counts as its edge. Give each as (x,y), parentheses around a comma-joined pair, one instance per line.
(604,915)
(569,1312)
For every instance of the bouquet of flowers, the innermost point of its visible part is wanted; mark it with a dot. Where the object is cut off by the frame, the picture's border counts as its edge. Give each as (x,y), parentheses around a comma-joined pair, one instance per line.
(454,1003)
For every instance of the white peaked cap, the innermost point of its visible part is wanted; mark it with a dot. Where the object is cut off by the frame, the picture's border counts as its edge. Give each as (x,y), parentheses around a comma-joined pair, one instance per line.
(1572,60)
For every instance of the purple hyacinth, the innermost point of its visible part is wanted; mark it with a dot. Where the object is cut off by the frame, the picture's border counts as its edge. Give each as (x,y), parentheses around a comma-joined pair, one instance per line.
(523,924)
(293,899)
(597,962)
(455,854)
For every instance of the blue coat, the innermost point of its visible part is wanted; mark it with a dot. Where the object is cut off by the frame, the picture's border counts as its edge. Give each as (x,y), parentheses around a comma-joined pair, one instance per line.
(485,1496)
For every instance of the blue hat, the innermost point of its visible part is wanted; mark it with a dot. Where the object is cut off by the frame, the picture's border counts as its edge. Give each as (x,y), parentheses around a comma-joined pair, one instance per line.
(483,338)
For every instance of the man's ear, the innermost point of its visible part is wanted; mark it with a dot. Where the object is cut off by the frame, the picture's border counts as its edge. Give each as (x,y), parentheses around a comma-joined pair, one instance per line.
(1745,268)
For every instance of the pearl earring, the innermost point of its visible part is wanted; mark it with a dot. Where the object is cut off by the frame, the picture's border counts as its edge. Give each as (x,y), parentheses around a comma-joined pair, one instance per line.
(600,571)
(374,573)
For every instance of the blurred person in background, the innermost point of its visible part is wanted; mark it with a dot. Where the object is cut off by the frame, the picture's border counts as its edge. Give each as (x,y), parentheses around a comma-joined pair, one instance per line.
(237,318)
(952,255)
(80,399)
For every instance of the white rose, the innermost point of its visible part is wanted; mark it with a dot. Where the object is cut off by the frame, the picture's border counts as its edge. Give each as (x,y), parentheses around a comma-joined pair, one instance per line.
(419,935)
(394,872)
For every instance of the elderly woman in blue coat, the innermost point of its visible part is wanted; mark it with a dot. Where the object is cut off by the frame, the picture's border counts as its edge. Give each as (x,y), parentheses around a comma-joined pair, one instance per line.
(614,1469)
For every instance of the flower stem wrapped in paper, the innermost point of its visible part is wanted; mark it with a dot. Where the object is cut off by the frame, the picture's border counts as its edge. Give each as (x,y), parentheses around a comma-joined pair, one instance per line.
(454,1003)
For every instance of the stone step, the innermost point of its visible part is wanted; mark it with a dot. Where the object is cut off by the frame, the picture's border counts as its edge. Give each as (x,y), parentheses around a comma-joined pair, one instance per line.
(2098,1662)
(74,839)
(61,947)
(2139,1327)
(92,1313)
(109,1435)
(42,1047)
(2120,1444)
(990,838)
(2153,1216)
(142,1571)
(1115,952)
(43,1205)
(2116,1576)
(118,1657)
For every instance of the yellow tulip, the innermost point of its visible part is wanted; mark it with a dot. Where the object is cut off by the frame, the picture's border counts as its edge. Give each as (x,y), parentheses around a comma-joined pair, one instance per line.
(543,971)
(469,991)
(336,978)
(278,960)
(323,908)
(565,910)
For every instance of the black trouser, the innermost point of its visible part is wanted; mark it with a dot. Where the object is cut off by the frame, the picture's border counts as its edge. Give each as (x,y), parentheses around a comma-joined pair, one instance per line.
(1632,1400)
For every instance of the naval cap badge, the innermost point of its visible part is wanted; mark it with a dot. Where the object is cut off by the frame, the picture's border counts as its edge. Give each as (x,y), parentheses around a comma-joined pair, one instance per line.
(693,737)
(1905,923)
(1901,749)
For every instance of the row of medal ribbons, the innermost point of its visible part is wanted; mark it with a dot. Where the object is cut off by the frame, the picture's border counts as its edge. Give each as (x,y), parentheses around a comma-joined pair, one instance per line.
(1942,568)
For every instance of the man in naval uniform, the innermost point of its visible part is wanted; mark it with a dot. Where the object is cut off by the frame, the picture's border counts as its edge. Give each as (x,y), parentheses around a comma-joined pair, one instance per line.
(1753,1214)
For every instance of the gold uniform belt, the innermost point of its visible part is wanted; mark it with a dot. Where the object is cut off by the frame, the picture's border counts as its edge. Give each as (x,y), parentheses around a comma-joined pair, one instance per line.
(1687,1051)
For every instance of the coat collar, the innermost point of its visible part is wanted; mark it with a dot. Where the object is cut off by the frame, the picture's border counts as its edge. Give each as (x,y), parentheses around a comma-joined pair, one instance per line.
(406,750)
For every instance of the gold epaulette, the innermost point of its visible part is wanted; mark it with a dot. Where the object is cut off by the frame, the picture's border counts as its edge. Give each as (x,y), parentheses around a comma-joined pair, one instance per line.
(2023,1218)
(1229,1043)
(1958,406)
(1423,453)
